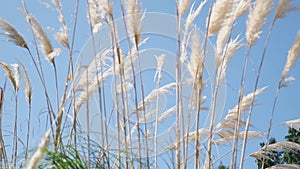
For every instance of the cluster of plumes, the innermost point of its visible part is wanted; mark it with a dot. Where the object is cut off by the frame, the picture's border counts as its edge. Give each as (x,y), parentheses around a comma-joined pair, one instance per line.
(293,55)
(97,11)
(265,151)
(256,18)
(35,159)
(226,48)
(89,78)
(13,74)
(188,27)
(225,30)
(225,129)
(12,34)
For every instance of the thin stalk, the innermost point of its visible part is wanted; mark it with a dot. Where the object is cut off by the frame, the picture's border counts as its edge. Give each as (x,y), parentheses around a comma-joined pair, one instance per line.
(252,98)
(28,130)
(122,77)
(15,140)
(209,146)
(57,139)
(178,89)
(131,64)
(38,67)
(101,94)
(271,119)
(3,153)
(156,125)
(144,112)
(197,152)
(88,123)
(237,123)
(116,99)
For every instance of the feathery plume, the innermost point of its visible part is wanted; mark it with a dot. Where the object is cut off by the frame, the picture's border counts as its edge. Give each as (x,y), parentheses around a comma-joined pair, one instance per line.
(285,166)
(293,55)
(159,61)
(152,96)
(45,45)
(135,17)
(195,65)
(16,71)
(220,12)
(282,8)
(93,84)
(12,34)
(244,104)
(293,124)
(256,18)
(28,88)
(10,74)
(193,14)
(93,15)
(279,146)
(97,10)
(61,36)
(38,155)
(183,5)
(230,49)
(241,7)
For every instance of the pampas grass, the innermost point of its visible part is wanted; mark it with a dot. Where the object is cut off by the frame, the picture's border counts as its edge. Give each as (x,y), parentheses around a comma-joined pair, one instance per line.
(256,19)
(12,34)
(39,153)
(285,166)
(293,124)
(220,11)
(138,118)
(293,55)
(45,44)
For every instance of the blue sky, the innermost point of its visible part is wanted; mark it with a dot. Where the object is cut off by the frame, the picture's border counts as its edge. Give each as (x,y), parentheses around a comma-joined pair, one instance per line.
(281,40)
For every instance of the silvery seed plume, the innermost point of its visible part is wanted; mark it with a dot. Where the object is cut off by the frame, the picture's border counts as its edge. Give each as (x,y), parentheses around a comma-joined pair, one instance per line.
(183,5)
(244,105)
(11,75)
(265,151)
(39,153)
(45,44)
(28,88)
(293,124)
(282,8)
(256,18)
(285,166)
(293,55)
(152,96)
(61,36)
(12,34)
(220,11)
(135,17)
(285,145)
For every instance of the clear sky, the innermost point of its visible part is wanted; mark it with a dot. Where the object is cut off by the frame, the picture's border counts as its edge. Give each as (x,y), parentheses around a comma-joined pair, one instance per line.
(281,40)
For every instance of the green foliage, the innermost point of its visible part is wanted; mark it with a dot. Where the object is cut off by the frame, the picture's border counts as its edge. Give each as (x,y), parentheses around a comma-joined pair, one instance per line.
(290,156)
(221,166)
(70,159)
(283,157)
(274,158)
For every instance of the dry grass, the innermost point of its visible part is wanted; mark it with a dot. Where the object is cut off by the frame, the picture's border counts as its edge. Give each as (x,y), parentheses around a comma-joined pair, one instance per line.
(135,112)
